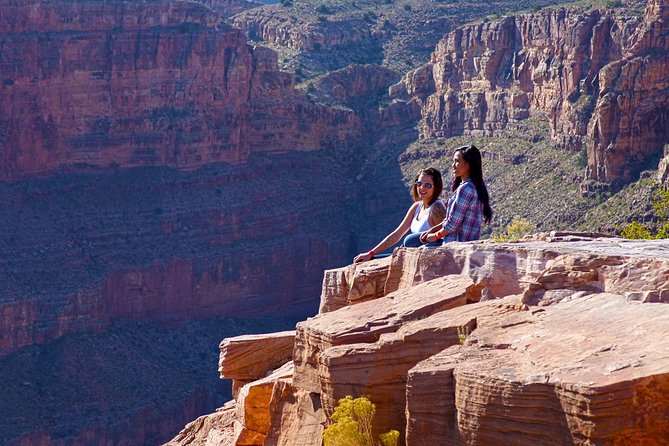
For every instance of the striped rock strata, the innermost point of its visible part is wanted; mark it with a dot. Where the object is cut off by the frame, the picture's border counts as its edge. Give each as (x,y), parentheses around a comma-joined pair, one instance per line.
(553,340)
(597,77)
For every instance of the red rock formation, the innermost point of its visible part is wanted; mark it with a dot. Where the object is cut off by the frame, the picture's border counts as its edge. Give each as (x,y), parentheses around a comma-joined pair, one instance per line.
(247,358)
(176,290)
(631,121)
(572,358)
(116,83)
(596,76)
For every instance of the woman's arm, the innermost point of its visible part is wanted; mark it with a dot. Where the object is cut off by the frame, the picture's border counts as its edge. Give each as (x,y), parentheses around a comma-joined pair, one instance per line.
(437,213)
(464,197)
(391,238)
(424,236)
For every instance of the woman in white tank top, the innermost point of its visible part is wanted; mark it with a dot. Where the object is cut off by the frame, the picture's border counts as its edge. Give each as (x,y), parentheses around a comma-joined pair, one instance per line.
(426,211)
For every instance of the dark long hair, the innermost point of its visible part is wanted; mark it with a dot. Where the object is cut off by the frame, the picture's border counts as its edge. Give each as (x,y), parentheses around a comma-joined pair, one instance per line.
(472,155)
(437,184)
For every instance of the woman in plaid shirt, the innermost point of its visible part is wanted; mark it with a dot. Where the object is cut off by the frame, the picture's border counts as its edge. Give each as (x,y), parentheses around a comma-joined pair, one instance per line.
(469,203)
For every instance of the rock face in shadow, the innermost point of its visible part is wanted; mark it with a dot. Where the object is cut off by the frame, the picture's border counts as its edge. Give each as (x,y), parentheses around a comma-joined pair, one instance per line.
(157,244)
(124,84)
(554,339)
(90,89)
(597,77)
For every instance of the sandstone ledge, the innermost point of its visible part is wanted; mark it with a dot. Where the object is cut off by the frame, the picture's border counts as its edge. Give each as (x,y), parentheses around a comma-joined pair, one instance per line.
(247,358)
(558,348)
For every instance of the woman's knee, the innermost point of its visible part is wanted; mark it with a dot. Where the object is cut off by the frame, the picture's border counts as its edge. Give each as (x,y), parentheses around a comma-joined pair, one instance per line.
(412,241)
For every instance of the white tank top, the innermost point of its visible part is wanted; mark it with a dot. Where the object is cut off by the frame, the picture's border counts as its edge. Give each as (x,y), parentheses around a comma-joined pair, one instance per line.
(423,224)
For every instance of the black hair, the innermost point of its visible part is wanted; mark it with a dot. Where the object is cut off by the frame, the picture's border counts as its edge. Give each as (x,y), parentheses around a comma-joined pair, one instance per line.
(472,156)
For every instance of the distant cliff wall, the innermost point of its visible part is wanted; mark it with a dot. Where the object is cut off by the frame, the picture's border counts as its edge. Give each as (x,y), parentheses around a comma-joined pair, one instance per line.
(594,75)
(119,83)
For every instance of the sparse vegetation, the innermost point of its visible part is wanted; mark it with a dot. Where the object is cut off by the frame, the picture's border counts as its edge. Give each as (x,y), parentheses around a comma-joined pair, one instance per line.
(352,425)
(519,228)
(463,333)
(637,230)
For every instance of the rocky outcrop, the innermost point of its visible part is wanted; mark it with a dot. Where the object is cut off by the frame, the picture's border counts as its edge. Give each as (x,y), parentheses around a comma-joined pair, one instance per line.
(547,375)
(216,428)
(228,8)
(358,283)
(247,358)
(536,342)
(590,74)
(122,84)
(307,34)
(630,125)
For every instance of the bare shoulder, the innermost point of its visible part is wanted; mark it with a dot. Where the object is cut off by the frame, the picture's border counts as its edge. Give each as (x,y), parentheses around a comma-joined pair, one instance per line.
(438,205)
(438,211)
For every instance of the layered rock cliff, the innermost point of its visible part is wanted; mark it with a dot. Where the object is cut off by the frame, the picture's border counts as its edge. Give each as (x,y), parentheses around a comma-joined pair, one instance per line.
(120,83)
(546,341)
(596,76)
(152,170)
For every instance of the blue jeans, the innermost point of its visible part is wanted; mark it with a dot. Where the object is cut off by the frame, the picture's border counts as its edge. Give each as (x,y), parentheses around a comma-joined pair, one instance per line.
(413,241)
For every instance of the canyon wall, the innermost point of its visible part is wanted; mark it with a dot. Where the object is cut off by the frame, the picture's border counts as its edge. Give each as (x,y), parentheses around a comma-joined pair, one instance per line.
(81,251)
(551,340)
(154,169)
(92,88)
(596,76)
(119,83)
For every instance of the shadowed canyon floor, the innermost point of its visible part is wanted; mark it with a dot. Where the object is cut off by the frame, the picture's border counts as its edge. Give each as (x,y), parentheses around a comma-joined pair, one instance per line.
(552,340)
(129,385)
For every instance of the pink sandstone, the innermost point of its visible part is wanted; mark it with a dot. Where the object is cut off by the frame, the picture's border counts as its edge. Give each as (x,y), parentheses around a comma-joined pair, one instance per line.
(247,358)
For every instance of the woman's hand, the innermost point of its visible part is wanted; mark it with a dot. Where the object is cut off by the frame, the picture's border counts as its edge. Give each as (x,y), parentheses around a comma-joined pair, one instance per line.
(429,237)
(363,257)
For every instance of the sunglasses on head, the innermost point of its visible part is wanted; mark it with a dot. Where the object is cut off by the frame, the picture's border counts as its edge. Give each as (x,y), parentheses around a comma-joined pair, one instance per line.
(425,185)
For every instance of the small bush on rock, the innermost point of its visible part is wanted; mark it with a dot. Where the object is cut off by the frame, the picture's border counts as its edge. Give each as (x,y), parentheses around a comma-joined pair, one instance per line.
(519,228)
(639,231)
(352,425)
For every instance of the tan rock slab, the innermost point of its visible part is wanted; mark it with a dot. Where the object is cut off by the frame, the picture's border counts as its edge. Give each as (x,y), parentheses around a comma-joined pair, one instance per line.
(353,284)
(366,322)
(249,357)
(297,417)
(253,416)
(588,370)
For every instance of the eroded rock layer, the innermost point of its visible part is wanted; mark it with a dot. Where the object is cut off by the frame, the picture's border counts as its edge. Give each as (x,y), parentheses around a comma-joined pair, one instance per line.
(130,84)
(554,340)
(596,76)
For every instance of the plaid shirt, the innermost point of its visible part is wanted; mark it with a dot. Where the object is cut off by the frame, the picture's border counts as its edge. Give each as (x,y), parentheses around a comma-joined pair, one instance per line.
(464,214)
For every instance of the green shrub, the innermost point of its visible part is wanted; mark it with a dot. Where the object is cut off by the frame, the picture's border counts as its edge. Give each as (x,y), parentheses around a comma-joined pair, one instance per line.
(352,425)
(638,231)
(519,228)
(390,438)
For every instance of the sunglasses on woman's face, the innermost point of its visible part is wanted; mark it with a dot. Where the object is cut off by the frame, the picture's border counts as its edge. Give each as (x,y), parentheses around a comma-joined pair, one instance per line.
(425,185)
